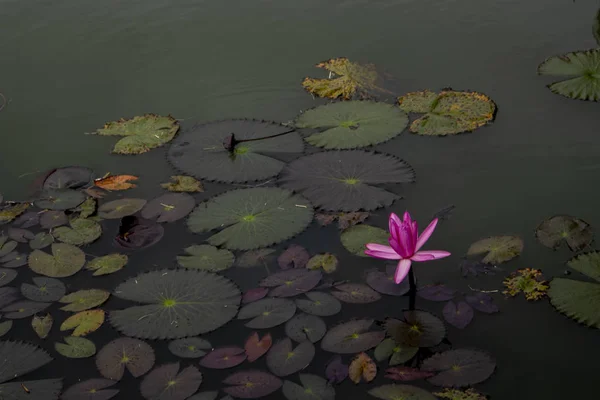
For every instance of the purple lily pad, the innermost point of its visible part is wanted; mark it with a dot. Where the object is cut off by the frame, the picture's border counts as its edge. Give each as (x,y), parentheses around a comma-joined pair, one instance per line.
(255,294)
(292,282)
(91,389)
(254,258)
(169,207)
(336,371)
(436,293)
(294,256)
(283,360)
(419,329)
(52,219)
(352,337)
(267,313)
(383,282)
(23,309)
(319,303)
(224,357)
(20,235)
(135,355)
(306,327)
(476,268)
(167,383)
(356,293)
(459,315)
(459,367)
(482,302)
(406,374)
(256,347)
(137,234)
(251,384)
(27,220)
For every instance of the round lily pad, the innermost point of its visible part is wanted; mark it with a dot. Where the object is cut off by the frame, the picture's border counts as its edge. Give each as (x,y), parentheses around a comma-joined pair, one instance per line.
(224,357)
(251,384)
(436,293)
(254,294)
(83,322)
(91,389)
(169,207)
(384,283)
(84,299)
(581,73)
(396,353)
(306,327)
(26,220)
(41,240)
(497,249)
(352,337)
(65,260)
(20,235)
(201,151)
(107,264)
(62,199)
(8,295)
(482,302)
(168,383)
(192,347)
(254,258)
(291,282)
(356,293)
(135,355)
(175,304)
(23,309)
(326,261)
(575,232)
(576,299)
(419,329)
(120,208)
(206,257)
(81,231)
(136,234)
(356,238)
(346,180)
(76,347)
(267,313)
(313,387)
(283,359)
(458,315)
(460,367)
(44,289)
(395,392)
(294,256)
(72,177)
(352,124)
(320,304)
(52,219)
(252,218)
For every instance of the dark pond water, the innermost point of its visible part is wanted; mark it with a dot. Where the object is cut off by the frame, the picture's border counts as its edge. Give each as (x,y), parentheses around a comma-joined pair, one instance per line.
(69,67)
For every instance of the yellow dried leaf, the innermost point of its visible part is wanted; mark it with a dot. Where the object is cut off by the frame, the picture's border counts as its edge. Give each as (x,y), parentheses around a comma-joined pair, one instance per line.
(362,366)
(116,182)
(84,322)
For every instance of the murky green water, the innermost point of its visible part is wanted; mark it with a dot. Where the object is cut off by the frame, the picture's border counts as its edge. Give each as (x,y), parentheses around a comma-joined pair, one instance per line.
(69,67)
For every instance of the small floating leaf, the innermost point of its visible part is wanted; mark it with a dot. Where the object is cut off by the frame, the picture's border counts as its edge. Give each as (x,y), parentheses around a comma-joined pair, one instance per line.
(166,382)
(206,257)
(192,347)
(294,256)
(44,289)
(553,231)
(362,367)
(65,260)
(251,384)
(223,357)
(267,313)
(82,231)
(399,353)
(459,367)
(396,392)
(291,282)
(87,208)
(328,262)
(384,283)
(42,325)
(169,207)
(314,388)
(76,347)
(482,302)
(255,348)
(84,299)
(7,246)
(498,249)
(91,389)
(436,293)
(419,329)
(319,303)
(120,208)
(459,315)
(306,327)
(356,293)
(351,337)
(182,183)
(527,280)
(336,371)
(356,238)
(283,360)
(581,70)
(135,355)
(23,309)
(107,264)
(116,182)
(5,327)
(84,322)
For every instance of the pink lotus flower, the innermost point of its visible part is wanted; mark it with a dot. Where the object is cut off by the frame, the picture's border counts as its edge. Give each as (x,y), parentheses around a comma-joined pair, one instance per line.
(405,244)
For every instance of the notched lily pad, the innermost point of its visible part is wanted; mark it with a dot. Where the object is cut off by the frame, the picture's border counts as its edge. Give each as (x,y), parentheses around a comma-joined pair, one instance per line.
(327,262)
(396,392)
(396,353)
(419,329)
(294,256)
(356,293)
(313,388)
(42,325)
(305,327)
(23,309)
(384,283)
(528,281)
(356,238)
(81,231)
(91,389)
(71,177)
(291,282)
(43,289)
(168,383)
(284,360)
(41,240)
(182,183)
(351,337)
(267,313)
(575,232)
(76,347)
(52,219)
(581,73)
(62,199)
(320,304)
(84,299)
(107,264)
(251,384)
(120,208)
(482,302)
(206,257)
(256,347)
(135,355)
(192,347)
(497,249)
(223,357)
(65,260)
(460,367)
(169,207)
(458,314)
(83,322)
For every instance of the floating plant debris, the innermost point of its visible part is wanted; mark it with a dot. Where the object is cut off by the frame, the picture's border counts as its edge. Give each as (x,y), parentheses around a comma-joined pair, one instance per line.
(459,368)
(9,213)
(581,71)
(207,258)
(327,262)
(256,347)
(116,182)
(183,183)
(575,232)
(313,387)
(497,249)
(356,238)
(362,367)
(528,281)
(455,394)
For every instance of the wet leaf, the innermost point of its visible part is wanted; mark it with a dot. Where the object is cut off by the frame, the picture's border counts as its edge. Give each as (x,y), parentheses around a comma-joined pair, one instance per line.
(107,264)
(399,353)
(252,218)
(458,368)
(224,357)
(482,302)
(23,309)
(62,199)
(87,208)
(116,182)
(355,293)
(206,257)
(449,112)
(283,359)
(91,389)
(346,180)
(182,183)
(255,347)
(44,289)
(328,262)
(355,238)
(351,337)
(291,282)
(120,208)
(314,388)
(396,392)
(528,281)
(136,234)
(42,325)
(84,299)
(498,249)
(82,231)
(65,260)
(7,246)
(209,395)
(84,322)
(200,152)
(362,367)
(135,355)
(577,300)
(581,73)
(11,212)
(267,313)
(166,382)
(41,240)
(454,394)
(255,258)
(384,283)
(8,295)
(587,264)
(255,294)
(251,384)
(72,177)
(5,327)
(458,315)
(7,276)
(76,347)
(169,207)
(141,133)
(319,303)
(407,374)
(419,329)
(192,347)
(294,256)
(436,293)
(575,232)
(336,371)
(305,327)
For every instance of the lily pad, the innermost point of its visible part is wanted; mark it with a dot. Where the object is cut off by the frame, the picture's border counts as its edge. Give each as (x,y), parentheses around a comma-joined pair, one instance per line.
(320,304)
(23,309)
(84,299)
(577,300)
(42,325)
(294,256)
(87,208)
(76,347)
(182,183)
(5,327)
(91,389)
(396,353)
(43,389)
(52,219)
(396,392)
(267,313)
(20,235)
(455,394)
(84,322)
(62,199)
(581,71)
(497,249)
(8,295)
(251,384)
(175,304)
(313,388)
(255,347)
(254,258)
(192,347)
(82,231)
(224,357)
(200,151)
(356,238)
(336,371)
(575,232)
(20,358)
(306,327)
(328,262)
(141,133)
(7,246)
(7,275)
(252,218)
(346,180)
(41,240)
(169,207)
(43,289)
(135,355)
(458,368)
(206,257)
(14,260)
(384,283)
(137,234)
(107,264)
(356,293)
(255,294)
(291,282)
(11,212)
(449,112)
(168,383)
(208,395)
(120,208)
(419,329)
(436,293)
(458,315)
(65,260)
(352,124)
(27,219)
(596,27)
(352,337)
(482,302)
(362,367)
(72,177)
(283,360)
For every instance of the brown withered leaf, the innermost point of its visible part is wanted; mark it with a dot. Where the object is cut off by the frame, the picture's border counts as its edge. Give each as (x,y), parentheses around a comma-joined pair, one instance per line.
(116,182)
(362,366)
(183,183)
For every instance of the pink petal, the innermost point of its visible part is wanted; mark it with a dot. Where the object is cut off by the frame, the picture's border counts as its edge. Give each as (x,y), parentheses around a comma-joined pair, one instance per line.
(406,217)
(426,234)
(402,270)
(394,222)
(395,245)
(429,255)
(380,247)
(381,254)
(407,243)
(415,230)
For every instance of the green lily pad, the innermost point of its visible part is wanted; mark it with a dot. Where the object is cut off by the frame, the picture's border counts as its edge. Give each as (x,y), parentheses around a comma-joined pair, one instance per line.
(82,231)
(44,289)
(581,70)
(42,325)
(41,240)
(84,299)
(7,246)
(396,353)
(117,209)
(320,304)
(87,208)
(252,218)
(305,327)
(313,388)
(65,260)
(61,199)
(20,358)
(206,257)
(356,238)
(267,313)
(588,264)
(577,300)
(419,329)
(76,347)
(449,112)
(202,153)
(352,124)
(183,183)
(459,367)
(141,133)
(7,275)
(91,389)
(575,232)
(175,304)
(352,337)
(346,180)
(5,327)
(498,249)
(23,309)
(327,261)
(107,264)
(401,392)
(455,394)
(11,212)
(84,322)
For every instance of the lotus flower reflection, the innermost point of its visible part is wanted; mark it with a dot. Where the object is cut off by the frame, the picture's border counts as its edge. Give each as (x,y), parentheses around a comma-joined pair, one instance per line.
(405,244)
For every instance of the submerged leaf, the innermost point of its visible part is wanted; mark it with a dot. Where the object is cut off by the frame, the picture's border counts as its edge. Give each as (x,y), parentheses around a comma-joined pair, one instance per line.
(482,302)
(351,337)
(84,322)
(223,357)
(362,367)
(294,256)
(459,315)
(267,313)
(251,384)
(356,237)
(336,371)
(458,368)
(84,299)
(82,231)
(91,389)
(65,260)
(283,359)
(527,280)
(192,347)
(319,303)
(76,347)
(169,207)
(553,231)
(581,70)
(206,257)
(327,261)
(135,355)
(42,325)
(116,182)
(166,382)
(419,329)
(498,249)
(182,183)
(107,264)
(255,348)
